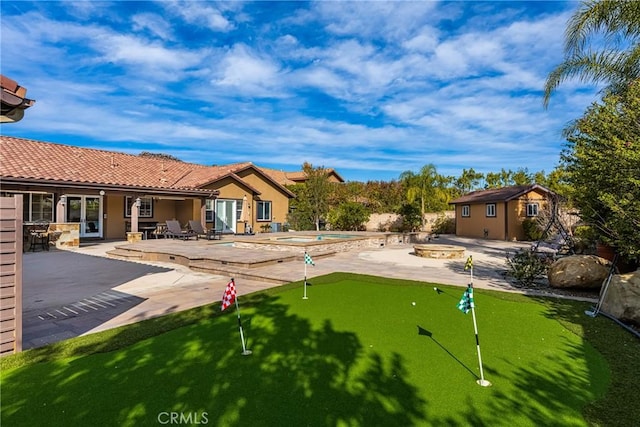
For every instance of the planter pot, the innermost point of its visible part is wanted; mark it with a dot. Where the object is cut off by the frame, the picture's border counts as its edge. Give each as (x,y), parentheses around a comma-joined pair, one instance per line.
(608,252)
(605,251)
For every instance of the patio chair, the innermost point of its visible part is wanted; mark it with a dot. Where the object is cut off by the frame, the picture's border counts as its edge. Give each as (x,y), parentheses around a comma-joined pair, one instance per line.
(208,233)
(174,231)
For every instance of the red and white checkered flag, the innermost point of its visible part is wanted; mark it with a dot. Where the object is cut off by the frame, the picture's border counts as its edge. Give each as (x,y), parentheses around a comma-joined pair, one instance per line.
(229,295)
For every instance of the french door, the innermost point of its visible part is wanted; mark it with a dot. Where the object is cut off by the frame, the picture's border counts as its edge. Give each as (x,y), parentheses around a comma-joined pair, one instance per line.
(226,211)
(87,210)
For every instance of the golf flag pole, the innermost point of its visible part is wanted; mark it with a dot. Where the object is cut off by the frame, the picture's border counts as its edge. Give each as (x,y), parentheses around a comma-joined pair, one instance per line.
(467,304)
(228,298)
(244,348)
(307,260)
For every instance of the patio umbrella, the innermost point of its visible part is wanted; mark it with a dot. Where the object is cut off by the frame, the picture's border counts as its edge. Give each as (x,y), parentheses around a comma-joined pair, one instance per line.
(244,213)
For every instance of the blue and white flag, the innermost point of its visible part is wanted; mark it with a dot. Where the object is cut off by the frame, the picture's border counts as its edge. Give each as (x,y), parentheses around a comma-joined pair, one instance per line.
(466,302)
(307,259)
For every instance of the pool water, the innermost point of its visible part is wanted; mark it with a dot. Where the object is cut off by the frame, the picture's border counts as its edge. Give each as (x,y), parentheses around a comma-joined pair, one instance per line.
(316,238)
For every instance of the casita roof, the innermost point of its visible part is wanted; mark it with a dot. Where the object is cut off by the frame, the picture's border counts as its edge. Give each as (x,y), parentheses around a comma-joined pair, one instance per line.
(503,194)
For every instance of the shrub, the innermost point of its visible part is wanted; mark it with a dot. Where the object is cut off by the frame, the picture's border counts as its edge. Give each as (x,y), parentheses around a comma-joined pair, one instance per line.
(584,237)
(444,225)
(532,229)
(349,216)
(526,267)
(411,219)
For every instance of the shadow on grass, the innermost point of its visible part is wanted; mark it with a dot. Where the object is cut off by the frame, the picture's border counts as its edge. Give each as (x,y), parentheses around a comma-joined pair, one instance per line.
(422,331)
(297,375)
(622,351)
(300,374)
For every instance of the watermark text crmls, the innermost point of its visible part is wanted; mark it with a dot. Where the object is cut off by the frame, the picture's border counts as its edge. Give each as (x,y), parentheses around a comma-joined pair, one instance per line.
(176,418)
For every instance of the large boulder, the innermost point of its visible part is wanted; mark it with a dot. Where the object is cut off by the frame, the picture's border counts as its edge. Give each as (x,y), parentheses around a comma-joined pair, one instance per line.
(578,271)
(622,299)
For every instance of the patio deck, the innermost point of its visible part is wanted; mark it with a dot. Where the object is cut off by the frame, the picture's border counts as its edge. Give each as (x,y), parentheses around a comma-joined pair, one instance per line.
(217,258)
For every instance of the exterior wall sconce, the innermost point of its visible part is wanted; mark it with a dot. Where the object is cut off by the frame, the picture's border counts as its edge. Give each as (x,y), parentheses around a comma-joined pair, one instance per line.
(102,192)
(63,200)
(138,202)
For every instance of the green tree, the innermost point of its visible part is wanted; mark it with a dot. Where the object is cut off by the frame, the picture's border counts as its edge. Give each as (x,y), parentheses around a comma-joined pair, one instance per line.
(522,177)
(382,196)
(313,198)
(602,45)
(603,164)
(159,156)
(348,216)
(555,181)
(411,218)
(318,189)
(300,216)
(428,188)
(467,181)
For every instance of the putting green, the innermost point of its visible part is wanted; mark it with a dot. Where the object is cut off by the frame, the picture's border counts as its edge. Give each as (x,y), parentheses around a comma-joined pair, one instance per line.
(357,352)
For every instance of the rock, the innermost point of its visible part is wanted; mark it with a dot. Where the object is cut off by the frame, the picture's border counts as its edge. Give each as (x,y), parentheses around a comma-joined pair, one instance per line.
(622,299)
(578,271)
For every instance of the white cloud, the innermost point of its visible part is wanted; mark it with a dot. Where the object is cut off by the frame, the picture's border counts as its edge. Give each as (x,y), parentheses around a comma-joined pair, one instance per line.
(129,50)
(200,13)
(248,73)
(403,83)
(152,23)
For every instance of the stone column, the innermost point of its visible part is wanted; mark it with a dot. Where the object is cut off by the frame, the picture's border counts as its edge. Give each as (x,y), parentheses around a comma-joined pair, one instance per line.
(62,201)
(203,213)
(134,215)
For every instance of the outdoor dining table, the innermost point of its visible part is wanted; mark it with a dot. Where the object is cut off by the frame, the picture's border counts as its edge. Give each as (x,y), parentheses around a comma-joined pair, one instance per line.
(37,233)
(146,230)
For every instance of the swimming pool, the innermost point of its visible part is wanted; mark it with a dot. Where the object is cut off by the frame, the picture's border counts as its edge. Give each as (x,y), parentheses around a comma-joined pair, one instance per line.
(325,242)
(315,238)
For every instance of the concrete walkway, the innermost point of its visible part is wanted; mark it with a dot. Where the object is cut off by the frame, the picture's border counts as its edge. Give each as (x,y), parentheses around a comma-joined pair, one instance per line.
(71,293)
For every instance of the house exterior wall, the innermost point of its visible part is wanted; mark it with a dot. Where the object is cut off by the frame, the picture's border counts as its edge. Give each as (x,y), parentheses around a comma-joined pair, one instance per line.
(519,209)
(231,189)
(269,192)
(116,223)
(478,225)
(506,225)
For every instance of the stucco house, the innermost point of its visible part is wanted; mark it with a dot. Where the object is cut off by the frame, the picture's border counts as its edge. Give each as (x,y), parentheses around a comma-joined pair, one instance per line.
(109,193)
(498,213)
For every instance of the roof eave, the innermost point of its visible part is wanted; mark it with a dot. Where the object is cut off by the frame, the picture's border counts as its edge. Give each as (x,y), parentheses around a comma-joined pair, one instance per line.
(113,187)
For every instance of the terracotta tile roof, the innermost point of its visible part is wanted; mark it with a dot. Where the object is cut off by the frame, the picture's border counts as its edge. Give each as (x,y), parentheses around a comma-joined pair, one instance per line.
(43,161)
(14,100)
(297,177)
(28,159)
(503,194)
(278,175)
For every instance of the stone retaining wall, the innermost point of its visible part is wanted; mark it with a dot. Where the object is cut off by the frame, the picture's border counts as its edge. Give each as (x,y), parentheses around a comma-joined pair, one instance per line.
(330,245)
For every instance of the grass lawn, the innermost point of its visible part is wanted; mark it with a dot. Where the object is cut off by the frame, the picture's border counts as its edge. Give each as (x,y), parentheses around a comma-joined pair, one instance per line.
(356,353)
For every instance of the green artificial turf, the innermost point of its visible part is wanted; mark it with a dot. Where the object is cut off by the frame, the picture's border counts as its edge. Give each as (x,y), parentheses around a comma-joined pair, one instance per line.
(357,352)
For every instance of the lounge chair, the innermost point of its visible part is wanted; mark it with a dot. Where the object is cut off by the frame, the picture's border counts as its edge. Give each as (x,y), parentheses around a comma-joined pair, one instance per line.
(207,233)
(174,231)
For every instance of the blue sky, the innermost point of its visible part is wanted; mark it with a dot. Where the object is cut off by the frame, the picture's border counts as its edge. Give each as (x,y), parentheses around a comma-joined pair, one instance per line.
(369,88)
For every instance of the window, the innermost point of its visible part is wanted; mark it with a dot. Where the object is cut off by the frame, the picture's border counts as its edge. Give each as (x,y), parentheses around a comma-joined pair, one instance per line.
(35,206)
(532,209)
(491,209)
(263,211)
(209,210)
(146,207)
(238,210)
(466,211)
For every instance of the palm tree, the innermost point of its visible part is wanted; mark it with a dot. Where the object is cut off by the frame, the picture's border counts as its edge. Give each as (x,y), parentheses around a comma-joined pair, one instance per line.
(426,186)
(617,63)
